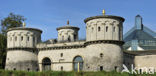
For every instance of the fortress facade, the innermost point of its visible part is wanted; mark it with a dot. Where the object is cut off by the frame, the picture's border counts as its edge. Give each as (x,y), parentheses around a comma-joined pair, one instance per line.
(102,49)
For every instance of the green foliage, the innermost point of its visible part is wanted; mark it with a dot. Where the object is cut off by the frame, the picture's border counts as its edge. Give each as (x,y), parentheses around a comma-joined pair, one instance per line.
(62,73)
(3,44)
(11,21)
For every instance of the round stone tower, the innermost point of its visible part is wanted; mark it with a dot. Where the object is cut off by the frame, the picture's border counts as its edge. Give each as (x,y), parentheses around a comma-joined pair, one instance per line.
(21,52)
(67,33)
(105,27)
(103,43)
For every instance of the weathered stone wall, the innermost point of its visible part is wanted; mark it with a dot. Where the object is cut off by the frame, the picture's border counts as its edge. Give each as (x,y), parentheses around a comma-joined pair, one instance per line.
(147,61)
(112,57)
(21,60)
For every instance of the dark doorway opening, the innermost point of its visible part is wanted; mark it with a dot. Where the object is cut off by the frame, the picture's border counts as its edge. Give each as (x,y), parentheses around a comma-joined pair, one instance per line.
(101,68)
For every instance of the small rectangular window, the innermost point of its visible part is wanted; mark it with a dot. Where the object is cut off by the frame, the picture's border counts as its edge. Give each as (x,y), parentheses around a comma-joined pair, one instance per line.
(61,54)
(61,68)
(101,68)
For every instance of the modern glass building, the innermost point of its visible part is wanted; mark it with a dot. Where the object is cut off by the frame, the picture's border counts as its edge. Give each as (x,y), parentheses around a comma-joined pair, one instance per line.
(139,37)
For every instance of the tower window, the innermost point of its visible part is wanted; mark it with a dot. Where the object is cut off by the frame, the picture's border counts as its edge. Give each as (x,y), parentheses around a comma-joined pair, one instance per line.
(114,29)
(99,28)
(61,68)
(28,38)
(62,37)
(69,38)
(34,39)
(106,28)
(10,38)
(92,29)
(101,55)
(16,38)
(61,54)
(74,37)
(22,38)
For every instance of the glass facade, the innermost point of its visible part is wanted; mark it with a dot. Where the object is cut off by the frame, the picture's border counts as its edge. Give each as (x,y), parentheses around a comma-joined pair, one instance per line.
(140,37)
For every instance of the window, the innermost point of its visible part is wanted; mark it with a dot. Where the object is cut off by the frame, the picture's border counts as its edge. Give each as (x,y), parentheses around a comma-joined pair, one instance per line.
(106,28)
(78,61)
(61,68)
(62,37)
(99,28)
(14,68)
(74,36)
(34,39)
(115,68)
(37,69)
(92,29)
(28,69)
(101,55)
(113,29)
(22,38)
(69,38)
(28,38)
(16,38)
(61,54)
(10,38)
(101,68)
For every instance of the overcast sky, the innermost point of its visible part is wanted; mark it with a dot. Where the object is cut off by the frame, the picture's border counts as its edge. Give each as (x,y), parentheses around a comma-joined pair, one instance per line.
(47,15)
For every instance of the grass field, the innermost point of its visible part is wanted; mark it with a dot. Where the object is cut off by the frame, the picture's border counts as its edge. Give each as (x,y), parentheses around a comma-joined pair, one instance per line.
(62,73)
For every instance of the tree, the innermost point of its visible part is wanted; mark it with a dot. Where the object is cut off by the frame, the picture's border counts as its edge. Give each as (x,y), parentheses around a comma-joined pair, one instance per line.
(9,22)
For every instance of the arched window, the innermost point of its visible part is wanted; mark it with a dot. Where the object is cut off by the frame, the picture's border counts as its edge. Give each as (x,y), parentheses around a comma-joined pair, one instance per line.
(99,29)
(16,38)
(34,39)
(69,38)
(106,28)
(113,29)
(92,29)
(75,37)
(46,64)
(78,63)
(21,38)
(62,37)
(10,38)
(27,38)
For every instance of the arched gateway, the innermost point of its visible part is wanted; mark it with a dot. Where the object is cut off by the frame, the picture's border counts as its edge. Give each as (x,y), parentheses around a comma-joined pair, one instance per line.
(46,64)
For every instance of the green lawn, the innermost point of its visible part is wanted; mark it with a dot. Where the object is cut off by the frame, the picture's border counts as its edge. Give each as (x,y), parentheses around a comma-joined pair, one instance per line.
(55,73)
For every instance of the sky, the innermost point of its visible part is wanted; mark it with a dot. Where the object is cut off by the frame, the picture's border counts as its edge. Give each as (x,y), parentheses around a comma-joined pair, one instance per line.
(47,15)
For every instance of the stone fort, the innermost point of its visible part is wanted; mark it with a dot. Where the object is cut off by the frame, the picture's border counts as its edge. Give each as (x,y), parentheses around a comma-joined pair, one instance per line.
(102,49)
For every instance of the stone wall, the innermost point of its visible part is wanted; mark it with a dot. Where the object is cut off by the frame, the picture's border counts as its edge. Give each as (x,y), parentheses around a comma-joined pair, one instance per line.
(110,60)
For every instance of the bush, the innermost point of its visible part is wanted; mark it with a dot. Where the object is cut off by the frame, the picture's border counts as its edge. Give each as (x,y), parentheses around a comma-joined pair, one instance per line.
(63,73)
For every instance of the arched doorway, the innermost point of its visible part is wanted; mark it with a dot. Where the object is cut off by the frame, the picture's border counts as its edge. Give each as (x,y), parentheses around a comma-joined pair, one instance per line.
(46,64)
(78,63)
